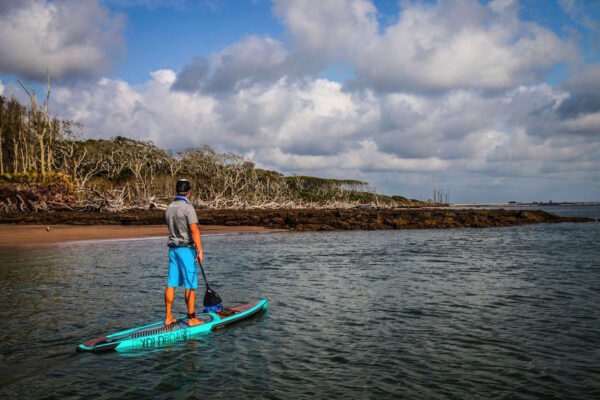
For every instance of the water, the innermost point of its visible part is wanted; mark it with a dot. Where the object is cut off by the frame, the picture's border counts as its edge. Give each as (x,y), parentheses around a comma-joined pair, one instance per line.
(461,313)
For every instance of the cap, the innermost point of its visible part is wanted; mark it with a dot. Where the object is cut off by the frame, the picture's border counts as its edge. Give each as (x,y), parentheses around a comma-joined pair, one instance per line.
(183,186)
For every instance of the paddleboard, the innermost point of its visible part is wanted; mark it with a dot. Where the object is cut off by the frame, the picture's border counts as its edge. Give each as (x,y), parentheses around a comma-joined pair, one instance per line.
(158,335)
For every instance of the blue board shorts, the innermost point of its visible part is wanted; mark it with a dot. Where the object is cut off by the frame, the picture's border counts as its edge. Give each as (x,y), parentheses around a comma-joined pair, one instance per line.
(182,267)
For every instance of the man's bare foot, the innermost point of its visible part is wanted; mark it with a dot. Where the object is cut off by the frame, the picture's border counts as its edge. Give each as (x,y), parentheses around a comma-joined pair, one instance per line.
(194,322)
(169,321)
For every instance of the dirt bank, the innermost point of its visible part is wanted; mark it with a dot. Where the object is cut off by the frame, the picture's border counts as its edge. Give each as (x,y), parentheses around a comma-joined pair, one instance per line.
(307,219)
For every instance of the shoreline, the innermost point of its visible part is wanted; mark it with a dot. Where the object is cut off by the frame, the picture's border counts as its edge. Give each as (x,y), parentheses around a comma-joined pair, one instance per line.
(37,235)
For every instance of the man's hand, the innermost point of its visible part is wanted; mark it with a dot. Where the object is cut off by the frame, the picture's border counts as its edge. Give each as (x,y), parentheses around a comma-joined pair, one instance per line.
(199,255)
(198,244)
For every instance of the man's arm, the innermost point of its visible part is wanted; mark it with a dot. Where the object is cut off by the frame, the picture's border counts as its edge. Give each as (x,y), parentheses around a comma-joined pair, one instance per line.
(196,238)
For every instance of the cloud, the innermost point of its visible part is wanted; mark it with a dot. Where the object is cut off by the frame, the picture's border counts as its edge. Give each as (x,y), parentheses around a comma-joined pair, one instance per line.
(1,88)
(432,47)
(150,111)
(316,126)
(252,60)
(331,28)
(191,78)
(367,157)
(584,89)
(70,38)
(449,95)
(313,117)
(456,44)
(583,14)
(588,123)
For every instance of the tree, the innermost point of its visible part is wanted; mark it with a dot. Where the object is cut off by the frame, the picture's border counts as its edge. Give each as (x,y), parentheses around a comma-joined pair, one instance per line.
(2,124)
(39,122)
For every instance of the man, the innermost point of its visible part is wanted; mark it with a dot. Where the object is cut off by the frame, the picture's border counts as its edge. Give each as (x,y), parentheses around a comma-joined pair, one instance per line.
(185,249)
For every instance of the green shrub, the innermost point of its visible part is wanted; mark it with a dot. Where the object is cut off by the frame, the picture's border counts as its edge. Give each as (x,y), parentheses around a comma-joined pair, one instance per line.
(35,177)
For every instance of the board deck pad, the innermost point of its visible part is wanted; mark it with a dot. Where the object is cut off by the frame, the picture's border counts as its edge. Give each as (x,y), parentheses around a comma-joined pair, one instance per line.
(159,335)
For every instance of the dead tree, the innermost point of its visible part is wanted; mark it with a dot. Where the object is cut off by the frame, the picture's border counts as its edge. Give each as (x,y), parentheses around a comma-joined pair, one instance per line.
(40,124)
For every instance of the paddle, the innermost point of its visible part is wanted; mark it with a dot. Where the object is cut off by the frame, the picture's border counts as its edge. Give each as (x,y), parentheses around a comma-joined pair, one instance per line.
(211,298)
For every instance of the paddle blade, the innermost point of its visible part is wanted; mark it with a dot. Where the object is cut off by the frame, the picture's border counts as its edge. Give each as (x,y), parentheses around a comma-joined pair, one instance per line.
(211,298)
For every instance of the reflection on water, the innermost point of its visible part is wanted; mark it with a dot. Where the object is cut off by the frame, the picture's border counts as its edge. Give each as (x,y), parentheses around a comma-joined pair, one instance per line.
(458,313)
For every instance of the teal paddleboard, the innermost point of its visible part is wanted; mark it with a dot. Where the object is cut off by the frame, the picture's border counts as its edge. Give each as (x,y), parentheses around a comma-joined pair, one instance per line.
(158,335)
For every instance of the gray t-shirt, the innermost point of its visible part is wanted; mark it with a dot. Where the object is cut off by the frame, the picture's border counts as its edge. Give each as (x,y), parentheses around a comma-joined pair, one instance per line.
(179,216)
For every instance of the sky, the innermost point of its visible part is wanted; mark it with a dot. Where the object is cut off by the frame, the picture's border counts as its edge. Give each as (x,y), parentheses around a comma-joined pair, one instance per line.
(492,101)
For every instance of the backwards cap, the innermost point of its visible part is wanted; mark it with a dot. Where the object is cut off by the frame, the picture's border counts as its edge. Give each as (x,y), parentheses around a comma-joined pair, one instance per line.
(183,186)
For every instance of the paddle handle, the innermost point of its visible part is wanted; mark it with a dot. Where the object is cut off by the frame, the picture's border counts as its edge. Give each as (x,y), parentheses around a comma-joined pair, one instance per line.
(203,275)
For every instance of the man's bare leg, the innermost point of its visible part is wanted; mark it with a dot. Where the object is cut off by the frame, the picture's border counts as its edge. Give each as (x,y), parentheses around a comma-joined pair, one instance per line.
(169,296)
(190,300)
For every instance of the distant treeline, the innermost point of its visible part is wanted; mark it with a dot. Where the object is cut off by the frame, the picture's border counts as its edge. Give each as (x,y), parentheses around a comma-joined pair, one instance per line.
(122,172)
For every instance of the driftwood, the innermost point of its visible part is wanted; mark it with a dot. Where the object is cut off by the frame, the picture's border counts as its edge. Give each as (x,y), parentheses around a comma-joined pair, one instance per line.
(31,205)
(21,202)
(27,198)
(56,205)
(157,206)
(114,202)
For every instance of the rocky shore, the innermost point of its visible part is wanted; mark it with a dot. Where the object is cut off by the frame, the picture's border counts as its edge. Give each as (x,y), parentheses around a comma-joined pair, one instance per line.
(308,219)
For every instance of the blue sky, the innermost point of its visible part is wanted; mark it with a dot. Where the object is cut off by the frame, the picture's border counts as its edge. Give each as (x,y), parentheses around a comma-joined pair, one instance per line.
(204,27)
(493,100)
(199,28)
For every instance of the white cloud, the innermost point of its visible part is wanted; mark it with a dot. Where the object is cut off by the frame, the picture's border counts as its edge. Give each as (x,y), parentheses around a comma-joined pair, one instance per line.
(251,60)
(71,39)
(584,123)
(164,76)
(317,127)
(367,158)
(451,44)
(314,117)
(1,88)
(500,6)
(150,111)
(330,27)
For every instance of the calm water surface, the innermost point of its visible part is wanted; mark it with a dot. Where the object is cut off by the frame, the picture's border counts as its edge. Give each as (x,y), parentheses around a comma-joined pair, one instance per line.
(461,313)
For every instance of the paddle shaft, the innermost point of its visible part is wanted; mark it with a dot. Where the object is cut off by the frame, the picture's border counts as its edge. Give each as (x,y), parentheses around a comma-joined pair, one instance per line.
(203,275)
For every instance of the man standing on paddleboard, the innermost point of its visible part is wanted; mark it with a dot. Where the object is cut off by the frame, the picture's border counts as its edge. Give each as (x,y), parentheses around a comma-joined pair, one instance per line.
(185,249)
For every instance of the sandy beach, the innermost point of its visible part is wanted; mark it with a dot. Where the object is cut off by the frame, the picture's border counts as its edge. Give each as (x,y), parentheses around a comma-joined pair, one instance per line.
(27,235)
